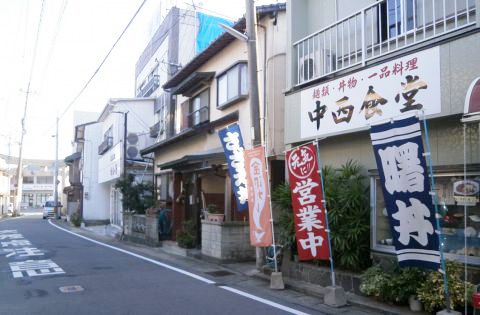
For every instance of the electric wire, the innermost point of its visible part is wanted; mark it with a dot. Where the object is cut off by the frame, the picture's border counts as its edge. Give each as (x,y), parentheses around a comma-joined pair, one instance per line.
(103,61)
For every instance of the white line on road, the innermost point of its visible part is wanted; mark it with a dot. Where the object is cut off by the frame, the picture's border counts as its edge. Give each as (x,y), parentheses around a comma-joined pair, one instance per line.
(184,272)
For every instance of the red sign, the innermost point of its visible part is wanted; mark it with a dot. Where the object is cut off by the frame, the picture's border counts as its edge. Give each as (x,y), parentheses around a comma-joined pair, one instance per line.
(308,208)
(258,198)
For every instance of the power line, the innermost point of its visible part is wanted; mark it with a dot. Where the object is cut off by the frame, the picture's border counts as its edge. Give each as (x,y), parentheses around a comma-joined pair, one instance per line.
(103,61)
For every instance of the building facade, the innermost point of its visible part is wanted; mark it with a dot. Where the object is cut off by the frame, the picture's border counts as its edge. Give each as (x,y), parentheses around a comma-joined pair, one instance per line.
(354,64)
(211,93)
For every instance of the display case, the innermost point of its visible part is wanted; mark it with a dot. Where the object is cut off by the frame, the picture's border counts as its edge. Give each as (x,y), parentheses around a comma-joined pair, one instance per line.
(459,212)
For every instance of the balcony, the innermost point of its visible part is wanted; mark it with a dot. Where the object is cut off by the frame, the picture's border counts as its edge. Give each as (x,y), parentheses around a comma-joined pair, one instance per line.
(105,145)
(149,87)
(198,116)
(156,129)
(379,29)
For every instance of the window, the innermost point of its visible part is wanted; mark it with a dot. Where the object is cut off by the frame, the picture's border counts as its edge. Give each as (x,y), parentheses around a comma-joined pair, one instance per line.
(28,179)
(232,85)
(44,179)
(199,108)
(165,187)
(455,195)
(400,16)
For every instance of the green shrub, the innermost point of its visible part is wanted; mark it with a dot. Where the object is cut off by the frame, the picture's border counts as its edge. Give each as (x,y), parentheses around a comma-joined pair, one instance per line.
(186,237)
(282,198)
(135,196)
(392,286)
(75,219)
(347,196)
(431,293)
(346,191)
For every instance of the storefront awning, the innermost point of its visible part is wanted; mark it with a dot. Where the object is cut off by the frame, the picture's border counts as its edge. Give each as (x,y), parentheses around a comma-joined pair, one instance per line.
(205,159)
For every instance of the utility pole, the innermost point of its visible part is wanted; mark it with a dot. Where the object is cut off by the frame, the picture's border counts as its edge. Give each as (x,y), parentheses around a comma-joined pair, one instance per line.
(55,179)
(252,72)
(253,91)
(19,174)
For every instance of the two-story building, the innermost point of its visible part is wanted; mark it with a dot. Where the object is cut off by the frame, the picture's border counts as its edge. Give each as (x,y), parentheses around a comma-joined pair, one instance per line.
(351,64)
(212,93)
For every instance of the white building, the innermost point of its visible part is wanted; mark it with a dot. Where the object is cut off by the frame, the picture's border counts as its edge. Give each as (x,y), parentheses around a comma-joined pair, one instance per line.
(125,131)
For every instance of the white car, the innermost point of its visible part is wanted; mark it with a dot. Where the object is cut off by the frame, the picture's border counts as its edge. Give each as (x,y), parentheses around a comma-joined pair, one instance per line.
(49,209)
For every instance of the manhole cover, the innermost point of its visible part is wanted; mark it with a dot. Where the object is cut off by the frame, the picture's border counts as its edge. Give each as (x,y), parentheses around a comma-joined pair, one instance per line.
(219,273)
(71,289)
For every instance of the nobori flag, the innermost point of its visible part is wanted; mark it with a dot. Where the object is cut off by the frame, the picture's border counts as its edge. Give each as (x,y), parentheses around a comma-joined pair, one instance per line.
(307,203)
(402,168)
(232,143)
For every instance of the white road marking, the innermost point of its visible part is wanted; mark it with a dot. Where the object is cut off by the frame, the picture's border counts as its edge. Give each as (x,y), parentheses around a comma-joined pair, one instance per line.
(35,268)
(264,301)
(184,272)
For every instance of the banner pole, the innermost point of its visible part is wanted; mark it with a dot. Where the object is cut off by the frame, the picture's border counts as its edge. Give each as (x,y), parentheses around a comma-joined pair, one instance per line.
(267,170)
(324,201)
(443,270)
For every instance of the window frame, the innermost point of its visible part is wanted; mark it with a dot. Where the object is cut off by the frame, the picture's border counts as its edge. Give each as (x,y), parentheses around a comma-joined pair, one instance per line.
(239,96)
(378,247)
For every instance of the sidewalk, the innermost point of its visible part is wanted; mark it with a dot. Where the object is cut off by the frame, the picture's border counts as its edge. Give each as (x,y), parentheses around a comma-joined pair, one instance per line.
(243,276)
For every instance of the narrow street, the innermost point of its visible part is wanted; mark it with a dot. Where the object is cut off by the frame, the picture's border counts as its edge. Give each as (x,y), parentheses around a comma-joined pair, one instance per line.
(47,270)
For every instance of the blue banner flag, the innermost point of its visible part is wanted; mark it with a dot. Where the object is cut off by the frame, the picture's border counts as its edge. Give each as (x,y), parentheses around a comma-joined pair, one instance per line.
(398,150)
(232,142)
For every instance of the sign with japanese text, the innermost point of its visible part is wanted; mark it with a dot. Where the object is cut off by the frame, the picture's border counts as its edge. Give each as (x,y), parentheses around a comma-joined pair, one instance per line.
(362,98)
(232,143)
(259,194)
(307,203)
(398,150)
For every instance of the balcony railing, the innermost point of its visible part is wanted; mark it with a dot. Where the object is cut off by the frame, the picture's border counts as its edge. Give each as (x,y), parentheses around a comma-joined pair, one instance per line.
(198,116)
(105,145)
(150,86)
(376,30)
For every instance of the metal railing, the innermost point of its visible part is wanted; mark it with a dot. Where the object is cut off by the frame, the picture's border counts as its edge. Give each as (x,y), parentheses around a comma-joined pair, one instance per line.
(379,29)
(198,116)
(105,145)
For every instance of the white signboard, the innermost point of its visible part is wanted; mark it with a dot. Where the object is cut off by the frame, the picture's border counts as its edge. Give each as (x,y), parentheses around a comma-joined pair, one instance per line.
(353,102)
(109,165)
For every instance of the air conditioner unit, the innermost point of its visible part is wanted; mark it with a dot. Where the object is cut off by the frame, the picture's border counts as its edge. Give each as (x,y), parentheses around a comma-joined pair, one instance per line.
(135,143)
(307,67)
(315,64)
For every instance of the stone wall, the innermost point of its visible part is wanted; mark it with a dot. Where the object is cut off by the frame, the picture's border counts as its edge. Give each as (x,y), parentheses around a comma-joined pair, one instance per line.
(227,241)
(142,228)
(320,275)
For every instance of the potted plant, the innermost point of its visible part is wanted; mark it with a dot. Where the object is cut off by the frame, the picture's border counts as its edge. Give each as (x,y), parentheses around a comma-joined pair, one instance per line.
(214,214)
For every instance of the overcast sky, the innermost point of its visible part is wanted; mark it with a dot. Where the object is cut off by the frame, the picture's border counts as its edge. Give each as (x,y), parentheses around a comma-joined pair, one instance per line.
(59,54)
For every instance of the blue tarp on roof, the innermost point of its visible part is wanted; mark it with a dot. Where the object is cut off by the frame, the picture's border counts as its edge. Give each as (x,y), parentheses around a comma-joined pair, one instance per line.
(208,30)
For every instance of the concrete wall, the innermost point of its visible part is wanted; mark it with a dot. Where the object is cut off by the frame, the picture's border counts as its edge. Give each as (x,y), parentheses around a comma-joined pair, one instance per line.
(227,241)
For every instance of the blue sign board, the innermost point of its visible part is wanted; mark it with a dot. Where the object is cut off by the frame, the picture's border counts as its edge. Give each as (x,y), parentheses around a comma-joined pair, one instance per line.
(232,142)
(402,168)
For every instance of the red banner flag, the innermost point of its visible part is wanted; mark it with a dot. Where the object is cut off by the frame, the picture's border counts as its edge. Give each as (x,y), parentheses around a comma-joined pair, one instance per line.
(258,198)
(308,208)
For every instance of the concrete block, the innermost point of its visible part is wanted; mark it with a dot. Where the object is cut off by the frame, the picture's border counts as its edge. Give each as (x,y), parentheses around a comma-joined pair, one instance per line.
(335,296)
(446,312)
(276,281)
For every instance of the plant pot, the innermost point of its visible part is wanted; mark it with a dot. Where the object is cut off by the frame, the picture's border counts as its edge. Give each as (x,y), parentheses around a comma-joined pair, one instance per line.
(216,217)
(415,304)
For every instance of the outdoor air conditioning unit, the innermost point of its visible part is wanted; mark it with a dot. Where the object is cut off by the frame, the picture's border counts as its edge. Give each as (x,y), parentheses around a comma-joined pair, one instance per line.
(315,64)
(307,67)
(135,143)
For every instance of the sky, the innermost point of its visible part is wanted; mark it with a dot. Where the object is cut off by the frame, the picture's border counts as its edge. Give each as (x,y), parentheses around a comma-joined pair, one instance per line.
(51,49)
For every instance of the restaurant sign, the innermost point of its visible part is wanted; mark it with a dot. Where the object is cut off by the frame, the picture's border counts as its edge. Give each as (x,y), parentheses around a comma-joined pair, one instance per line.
(354,102)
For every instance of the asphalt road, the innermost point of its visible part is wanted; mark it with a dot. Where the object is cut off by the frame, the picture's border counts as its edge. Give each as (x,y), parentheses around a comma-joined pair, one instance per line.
(46,270)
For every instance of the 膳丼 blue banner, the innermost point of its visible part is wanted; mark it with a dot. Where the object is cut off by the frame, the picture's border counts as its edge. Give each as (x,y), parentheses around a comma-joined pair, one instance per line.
(232,142)
(402,168)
